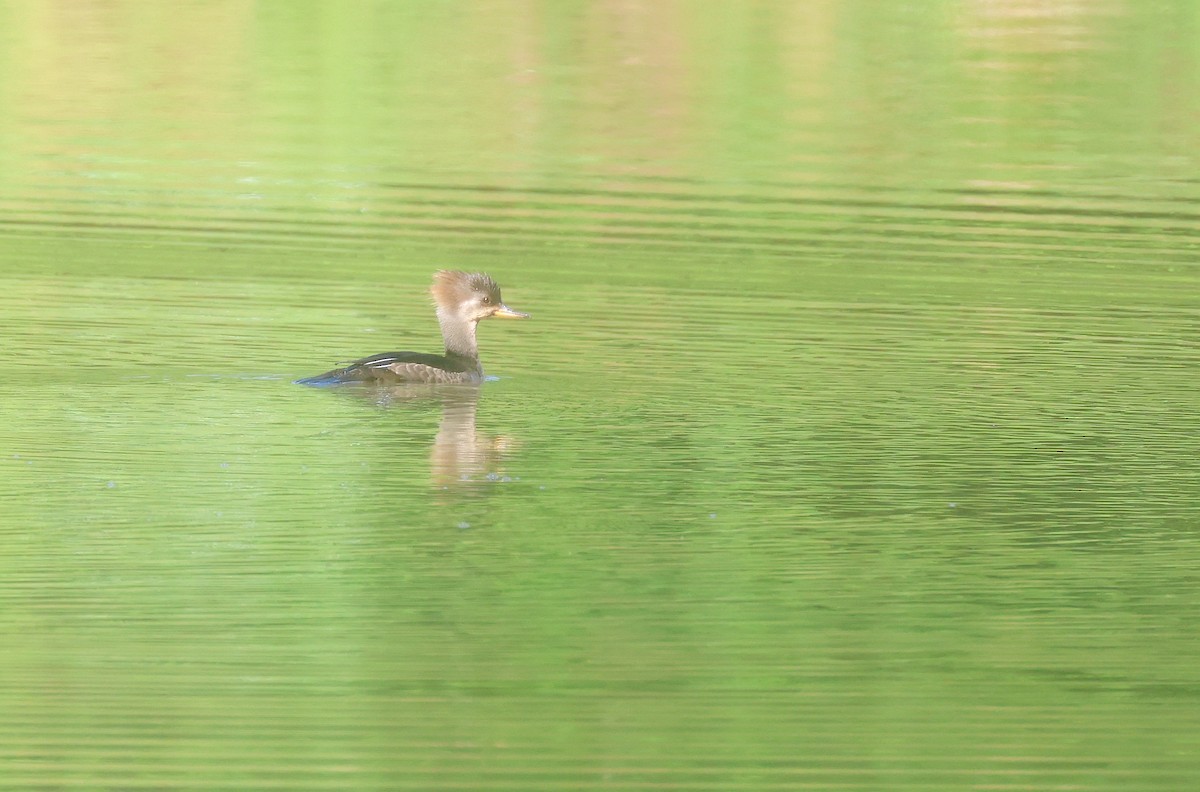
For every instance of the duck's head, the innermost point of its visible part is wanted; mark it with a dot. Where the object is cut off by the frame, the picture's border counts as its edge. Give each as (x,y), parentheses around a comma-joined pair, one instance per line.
(470,296)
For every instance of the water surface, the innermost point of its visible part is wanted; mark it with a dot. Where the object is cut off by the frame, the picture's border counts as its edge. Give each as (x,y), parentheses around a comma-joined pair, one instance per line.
(852,444)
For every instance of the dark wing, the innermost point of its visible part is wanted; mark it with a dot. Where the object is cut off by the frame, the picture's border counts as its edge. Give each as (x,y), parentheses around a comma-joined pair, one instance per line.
(397,367)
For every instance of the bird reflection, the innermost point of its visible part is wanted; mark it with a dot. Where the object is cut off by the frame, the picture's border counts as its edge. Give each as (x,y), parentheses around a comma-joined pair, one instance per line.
(462,457)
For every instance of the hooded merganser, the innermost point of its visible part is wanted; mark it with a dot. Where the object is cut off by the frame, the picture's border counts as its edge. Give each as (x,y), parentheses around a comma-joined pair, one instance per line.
(462,299)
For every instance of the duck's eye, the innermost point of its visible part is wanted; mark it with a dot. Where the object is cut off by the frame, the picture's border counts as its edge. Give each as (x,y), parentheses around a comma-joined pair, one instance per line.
(487,300)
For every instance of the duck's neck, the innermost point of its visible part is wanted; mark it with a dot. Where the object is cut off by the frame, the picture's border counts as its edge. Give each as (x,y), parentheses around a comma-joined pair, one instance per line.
(459,335)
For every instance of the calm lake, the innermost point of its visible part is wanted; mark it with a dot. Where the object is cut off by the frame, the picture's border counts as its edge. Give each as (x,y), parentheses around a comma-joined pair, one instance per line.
(854,442)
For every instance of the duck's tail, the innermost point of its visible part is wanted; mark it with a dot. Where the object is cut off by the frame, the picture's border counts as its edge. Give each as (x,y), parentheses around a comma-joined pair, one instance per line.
(326,380)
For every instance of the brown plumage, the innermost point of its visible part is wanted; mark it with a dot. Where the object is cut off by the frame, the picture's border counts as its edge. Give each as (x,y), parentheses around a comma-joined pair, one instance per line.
(462,299)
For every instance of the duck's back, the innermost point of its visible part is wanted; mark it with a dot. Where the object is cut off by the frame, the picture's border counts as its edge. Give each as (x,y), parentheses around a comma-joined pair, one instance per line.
(400,367)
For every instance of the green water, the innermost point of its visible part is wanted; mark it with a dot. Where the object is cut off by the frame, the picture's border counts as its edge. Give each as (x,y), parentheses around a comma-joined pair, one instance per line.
(853,443)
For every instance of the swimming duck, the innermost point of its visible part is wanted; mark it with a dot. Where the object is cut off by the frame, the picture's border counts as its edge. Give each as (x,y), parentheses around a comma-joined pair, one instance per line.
(462,300)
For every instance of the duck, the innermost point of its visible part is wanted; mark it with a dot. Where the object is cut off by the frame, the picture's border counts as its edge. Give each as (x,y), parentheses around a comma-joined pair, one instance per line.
(462,300)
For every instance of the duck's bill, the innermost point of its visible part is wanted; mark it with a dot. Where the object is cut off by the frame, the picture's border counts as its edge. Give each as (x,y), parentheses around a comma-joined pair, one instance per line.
(504,312)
